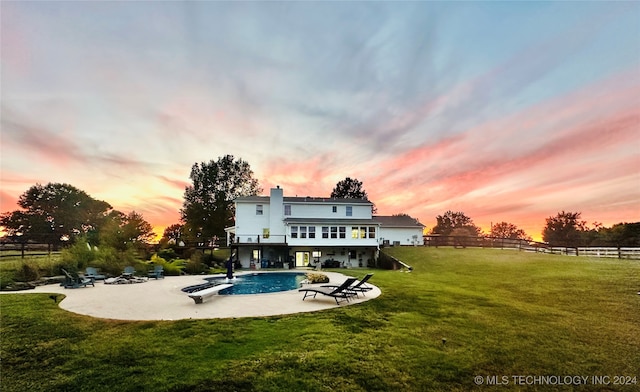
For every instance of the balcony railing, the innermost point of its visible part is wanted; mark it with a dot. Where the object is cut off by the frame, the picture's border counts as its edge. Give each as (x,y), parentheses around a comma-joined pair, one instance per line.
(259,239)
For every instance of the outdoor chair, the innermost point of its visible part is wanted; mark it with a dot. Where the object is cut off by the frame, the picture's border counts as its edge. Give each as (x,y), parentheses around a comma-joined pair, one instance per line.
(93,273)
(128,271)
(336,293)
(72,281)
(360,287)
(157,272)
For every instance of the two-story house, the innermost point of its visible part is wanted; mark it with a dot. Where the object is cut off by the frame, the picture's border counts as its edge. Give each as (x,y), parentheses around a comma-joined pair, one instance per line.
(288,232)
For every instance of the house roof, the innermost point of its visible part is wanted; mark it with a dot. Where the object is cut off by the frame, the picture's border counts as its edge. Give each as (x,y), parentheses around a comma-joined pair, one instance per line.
(397,221)
(307,199)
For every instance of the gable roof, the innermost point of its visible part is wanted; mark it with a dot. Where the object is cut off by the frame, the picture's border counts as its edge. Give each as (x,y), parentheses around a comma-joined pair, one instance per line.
(397,221)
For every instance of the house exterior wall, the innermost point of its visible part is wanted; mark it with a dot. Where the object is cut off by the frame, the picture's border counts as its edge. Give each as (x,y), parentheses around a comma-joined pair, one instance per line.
(325,210)
(401,235)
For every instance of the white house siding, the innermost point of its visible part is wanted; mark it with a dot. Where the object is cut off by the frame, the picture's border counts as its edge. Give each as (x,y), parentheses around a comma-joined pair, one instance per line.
(401,236)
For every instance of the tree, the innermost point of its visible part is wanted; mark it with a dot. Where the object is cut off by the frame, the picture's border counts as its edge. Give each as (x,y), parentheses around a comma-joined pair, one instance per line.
(351,188)
(450,220)
(508,230)
(564,229)
(173,233)
(208,204)
(125,230)
(620,234)
(53,213)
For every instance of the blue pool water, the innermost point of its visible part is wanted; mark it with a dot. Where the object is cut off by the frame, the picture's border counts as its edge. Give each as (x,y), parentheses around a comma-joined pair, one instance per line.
(255,283)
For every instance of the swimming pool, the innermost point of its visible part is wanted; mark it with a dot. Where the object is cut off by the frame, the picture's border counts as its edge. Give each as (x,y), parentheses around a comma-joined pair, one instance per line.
(255,283)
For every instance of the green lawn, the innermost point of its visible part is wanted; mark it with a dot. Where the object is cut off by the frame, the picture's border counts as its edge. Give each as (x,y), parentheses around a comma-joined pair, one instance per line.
(502,313)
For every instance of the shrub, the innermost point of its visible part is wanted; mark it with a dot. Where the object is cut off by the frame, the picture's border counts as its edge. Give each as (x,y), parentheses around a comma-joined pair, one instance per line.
(315,277)
(78,255)
(28,272)
(167,254)
(172,268)
(195,265)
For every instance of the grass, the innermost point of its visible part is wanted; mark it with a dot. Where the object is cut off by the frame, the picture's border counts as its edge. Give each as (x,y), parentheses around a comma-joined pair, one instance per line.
(501,313)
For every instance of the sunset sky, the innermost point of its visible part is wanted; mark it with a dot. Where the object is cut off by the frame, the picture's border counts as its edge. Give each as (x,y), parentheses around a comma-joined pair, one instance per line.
(506,111)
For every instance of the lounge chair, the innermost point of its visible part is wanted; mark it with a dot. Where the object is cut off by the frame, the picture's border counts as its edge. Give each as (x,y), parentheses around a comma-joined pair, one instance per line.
(93,273)
(128,271)
(360,287)
(337,292)
(157,272)
(72,281)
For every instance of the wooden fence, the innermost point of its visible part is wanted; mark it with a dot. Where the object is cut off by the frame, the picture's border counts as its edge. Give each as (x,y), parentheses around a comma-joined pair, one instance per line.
(10,249)
(531,246)
(609,252)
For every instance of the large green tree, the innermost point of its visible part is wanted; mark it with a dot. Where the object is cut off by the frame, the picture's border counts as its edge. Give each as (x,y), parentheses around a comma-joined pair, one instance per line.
(452,221)
(208,203)
(53,213)
(564,229)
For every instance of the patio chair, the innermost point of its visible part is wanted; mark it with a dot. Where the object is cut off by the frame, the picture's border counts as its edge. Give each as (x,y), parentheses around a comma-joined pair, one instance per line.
(91,272)
(128,271)
(157,272)
(360,287)
(338,292)
(73,281)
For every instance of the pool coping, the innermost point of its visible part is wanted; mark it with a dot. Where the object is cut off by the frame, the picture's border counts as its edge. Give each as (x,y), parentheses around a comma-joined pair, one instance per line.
(163,299)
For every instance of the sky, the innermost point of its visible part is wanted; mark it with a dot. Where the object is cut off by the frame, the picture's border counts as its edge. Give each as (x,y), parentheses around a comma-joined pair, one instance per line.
(505,111)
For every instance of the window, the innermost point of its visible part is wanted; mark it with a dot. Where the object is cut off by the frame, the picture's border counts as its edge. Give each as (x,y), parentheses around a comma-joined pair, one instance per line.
(334,209)
(294,231)
(325,232)
(343,232)
(334,232)
(303,231)
(312,232)
(349,210)
(316,254)
(372,232)
(259,209)
(287,209)
(354,232)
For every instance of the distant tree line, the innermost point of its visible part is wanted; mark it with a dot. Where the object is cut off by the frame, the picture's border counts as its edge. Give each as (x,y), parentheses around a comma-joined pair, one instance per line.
(58,214)
(563,229)
(567,229)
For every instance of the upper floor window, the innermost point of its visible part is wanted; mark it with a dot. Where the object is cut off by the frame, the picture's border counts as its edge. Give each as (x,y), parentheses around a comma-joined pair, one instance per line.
(349,210)
(334,209)
(294,231)
(372,232)
(287,209)
(312,232)
(325,231)
(259,209)
(343,232)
